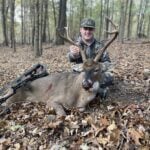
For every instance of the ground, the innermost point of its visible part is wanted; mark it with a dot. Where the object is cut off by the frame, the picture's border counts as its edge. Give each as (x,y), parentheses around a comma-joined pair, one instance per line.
(119,122)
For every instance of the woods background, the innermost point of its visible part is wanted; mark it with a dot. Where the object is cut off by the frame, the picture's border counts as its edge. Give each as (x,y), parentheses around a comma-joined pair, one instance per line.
(35,21)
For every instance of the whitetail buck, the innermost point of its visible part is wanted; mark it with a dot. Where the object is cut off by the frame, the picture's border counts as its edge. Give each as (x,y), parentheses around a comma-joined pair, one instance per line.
(66,90)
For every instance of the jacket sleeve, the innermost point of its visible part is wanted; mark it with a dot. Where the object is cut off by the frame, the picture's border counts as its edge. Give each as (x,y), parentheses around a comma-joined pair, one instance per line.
(105,57)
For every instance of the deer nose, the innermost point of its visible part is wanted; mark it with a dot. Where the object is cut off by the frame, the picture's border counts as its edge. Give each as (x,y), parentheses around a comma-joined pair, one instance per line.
(87,84)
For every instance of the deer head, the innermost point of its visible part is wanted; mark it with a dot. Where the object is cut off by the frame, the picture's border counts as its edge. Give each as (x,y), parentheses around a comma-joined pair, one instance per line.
(91,67)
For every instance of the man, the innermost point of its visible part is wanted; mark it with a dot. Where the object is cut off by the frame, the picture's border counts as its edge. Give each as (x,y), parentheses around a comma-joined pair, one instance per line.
(86,40)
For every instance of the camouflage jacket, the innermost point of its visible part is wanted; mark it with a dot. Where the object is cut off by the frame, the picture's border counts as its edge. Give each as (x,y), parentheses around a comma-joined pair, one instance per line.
(91,52)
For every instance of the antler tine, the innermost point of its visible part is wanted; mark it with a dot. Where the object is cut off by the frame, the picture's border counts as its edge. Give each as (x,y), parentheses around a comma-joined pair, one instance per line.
(102,50)
(68,39)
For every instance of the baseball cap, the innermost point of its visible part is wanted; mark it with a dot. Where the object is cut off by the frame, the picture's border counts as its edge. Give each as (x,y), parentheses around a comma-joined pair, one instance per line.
(87,22)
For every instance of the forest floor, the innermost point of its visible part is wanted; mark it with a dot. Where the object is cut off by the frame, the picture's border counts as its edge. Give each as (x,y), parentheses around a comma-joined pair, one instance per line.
(119,122)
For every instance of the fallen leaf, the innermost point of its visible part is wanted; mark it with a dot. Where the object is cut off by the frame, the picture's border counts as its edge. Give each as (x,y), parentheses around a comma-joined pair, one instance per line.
(135,135)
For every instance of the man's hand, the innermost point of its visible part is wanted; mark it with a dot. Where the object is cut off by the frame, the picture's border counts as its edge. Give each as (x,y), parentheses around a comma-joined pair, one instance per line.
(74,50)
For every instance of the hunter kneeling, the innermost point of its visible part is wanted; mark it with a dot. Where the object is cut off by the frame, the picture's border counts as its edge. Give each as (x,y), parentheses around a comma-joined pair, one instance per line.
(91,46)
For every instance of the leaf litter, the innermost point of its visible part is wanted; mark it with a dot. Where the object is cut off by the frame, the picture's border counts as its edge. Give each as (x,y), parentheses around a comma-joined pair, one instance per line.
(120,122)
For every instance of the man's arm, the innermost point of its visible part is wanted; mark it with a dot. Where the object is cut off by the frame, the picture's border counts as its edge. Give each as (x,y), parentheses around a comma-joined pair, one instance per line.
(74,54)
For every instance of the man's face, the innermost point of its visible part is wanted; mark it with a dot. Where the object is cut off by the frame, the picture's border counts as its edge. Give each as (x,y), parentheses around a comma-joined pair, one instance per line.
(87,33)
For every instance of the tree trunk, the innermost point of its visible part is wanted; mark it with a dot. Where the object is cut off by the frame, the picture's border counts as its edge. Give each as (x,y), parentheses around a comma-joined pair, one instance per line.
(138,19)
(22,22)
(129,27)
(106,21)
(32,18)
(12,29)
(36,35)
(41,27)
(25,22)
(55,21)
(4,20)
(71,20)
(61,21)
(49,33)
(141,24)
(148,28)
(101,19)
(82,11)
(45,19)
(91,1)
(144,17)
(122,20)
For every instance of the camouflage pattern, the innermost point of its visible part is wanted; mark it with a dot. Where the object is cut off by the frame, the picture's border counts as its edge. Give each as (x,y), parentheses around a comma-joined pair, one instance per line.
(91,52)
(87,22)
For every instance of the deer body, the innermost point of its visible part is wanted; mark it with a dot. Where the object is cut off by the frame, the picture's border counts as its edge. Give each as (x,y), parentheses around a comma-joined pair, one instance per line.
(62,90)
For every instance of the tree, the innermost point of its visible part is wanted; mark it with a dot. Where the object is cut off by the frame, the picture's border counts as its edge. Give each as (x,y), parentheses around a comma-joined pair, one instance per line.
(12,29)
(122,20)
(101,19)
(4,22)
(106,13)
(45,19)
(61,21)
(140,18)
(55,20)
(36,35)
(32,18)
(148,28)
(41,28)
(22,23)
(129,27)
(82,11)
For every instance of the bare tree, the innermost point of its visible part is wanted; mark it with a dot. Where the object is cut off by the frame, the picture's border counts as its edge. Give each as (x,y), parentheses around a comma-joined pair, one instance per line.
(4,20)
(32,19)
(148,28)
(129,27)
(82,11)
(36,35)
(91,3)
(61,21)
(55,19)
(122,20)
(107,13)
(12,29)
(101,19)
(141,15)
(41,27)
(22,22)
(45,19)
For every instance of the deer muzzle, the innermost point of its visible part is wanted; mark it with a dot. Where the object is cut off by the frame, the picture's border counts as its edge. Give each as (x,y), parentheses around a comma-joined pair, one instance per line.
(87,84)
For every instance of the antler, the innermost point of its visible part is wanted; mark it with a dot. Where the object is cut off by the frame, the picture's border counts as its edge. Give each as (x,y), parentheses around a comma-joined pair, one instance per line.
(102,50)
(68,39)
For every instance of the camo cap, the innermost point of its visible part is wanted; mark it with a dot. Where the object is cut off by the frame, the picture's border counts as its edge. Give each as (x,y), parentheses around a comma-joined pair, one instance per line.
(87,22)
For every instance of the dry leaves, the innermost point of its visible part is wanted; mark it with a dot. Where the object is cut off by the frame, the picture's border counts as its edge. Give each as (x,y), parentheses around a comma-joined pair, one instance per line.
(81,129)
(120,123)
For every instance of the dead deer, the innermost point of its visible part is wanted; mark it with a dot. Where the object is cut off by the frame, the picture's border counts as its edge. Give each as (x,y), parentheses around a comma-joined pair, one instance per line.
(66,90)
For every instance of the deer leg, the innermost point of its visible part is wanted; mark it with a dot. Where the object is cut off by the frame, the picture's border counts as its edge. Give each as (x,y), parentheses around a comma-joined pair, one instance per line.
(58,109)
